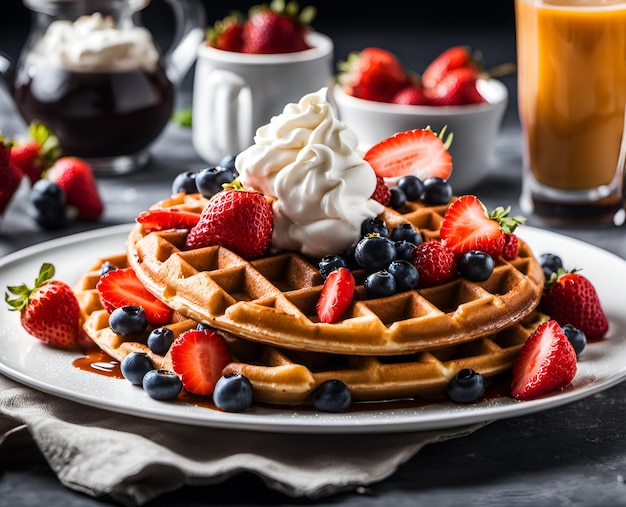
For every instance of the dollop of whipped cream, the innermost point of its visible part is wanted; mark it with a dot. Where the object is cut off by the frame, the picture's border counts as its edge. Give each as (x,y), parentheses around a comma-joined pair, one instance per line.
(307,161)
(94,43)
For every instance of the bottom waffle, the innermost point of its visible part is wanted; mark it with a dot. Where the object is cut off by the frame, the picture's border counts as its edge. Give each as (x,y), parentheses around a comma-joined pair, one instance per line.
(287,377)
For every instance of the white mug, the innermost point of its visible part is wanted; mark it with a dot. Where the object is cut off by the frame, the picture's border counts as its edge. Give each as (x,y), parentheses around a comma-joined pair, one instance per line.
(236,93)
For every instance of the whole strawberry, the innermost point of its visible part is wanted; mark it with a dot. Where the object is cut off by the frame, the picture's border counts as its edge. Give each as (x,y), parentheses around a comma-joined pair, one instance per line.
(49,310)
(570,298)
(373,74)
(10,175)
(452,59)
(75,177)
(37,152)
(238,219)
(227,34)
(457,88)
(279,28)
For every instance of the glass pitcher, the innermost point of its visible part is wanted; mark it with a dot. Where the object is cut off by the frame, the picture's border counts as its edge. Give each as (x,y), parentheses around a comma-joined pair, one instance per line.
(93,73)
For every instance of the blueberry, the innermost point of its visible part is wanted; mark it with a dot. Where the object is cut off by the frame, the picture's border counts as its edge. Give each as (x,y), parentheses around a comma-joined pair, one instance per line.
(475,265)
(162,384)
(412,187)
(330,263)
(380,284)
(135,365)
(467,386)
(210,181)
(106,267)
(185,182)
(398,198)
(406,232)
(233,393)
(576,336)
(48,199)
(374,226)
(128,320)
(405,274)
(550,263)
(375,252)
(436,191)
(160,340)
(203,327)
(228,162)
(404,250)
(332,396)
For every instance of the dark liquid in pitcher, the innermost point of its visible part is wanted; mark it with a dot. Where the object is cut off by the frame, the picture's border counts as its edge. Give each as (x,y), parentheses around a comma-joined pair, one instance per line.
(96,114)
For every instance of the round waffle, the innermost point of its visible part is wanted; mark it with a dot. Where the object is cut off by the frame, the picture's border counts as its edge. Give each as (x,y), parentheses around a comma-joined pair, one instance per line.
(289,377)
(272,300)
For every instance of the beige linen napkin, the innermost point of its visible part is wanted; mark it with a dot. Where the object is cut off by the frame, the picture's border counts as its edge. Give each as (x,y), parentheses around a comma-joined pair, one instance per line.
(134,460)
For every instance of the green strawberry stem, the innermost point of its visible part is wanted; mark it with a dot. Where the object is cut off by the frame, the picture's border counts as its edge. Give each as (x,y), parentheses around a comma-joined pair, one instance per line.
(23,292)
(507,224)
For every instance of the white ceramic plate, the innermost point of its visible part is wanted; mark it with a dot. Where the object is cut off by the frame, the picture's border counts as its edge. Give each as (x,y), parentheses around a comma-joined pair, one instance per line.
(24,359)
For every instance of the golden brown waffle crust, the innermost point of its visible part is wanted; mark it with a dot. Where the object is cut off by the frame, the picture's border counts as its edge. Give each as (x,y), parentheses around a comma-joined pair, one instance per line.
(272,300)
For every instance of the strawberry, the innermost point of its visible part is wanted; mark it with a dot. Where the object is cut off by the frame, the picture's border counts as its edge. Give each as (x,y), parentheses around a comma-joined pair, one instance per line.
(237,219)
(10,175)
(336,296)
(510,250)
(75,177)
(373,74)
(199,356)
(35,154)
(570,298)
(412,94)
(164,219)
(279,28)
(546,363)
(227,34)
(121,287)
(456,88)
(49,310)
(467,225)
(381,194)
(453,58)
(434,262)
(419,152)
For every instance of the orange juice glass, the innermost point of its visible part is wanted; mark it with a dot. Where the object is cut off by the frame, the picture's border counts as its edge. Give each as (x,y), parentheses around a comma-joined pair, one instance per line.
(572,102)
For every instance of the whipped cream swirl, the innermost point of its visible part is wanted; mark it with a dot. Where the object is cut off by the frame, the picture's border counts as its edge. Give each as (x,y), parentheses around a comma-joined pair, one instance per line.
(95,44)
(307,161)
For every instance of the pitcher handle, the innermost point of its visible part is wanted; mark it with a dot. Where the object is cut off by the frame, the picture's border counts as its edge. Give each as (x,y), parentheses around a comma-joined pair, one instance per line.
(190,33)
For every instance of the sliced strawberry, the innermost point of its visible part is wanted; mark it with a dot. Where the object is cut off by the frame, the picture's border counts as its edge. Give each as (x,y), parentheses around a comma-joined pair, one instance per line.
(337,294)
(164,219)
(546,363)
(467,225)
(121,287)
(419,152)
(199,356)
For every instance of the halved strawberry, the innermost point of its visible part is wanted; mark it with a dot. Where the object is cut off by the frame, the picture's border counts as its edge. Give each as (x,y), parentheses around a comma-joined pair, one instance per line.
(468,225)
(546,362)
(164,219)
(337,294)
(420,152)
(199,356)
(121,287)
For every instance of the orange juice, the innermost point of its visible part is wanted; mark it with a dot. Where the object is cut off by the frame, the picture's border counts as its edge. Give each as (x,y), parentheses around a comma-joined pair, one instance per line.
(572,89)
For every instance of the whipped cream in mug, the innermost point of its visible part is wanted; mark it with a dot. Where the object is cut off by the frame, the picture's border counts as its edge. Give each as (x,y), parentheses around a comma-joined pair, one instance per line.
(95,44)
(307,161)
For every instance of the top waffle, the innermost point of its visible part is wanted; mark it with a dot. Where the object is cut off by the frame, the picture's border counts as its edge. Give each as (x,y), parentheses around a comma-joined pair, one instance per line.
(272,300)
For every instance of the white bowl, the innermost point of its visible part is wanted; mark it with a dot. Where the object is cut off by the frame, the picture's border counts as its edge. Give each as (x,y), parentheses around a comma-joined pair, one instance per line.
(475,127)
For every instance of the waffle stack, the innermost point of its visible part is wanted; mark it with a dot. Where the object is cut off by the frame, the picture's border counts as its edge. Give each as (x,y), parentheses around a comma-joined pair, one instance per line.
(407,345)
